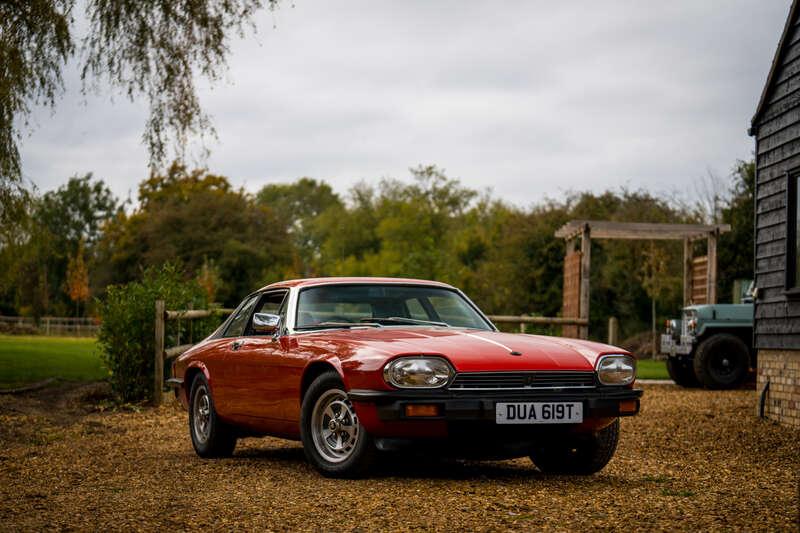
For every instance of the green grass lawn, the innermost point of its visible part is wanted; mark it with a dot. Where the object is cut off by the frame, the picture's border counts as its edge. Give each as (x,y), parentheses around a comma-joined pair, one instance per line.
(649,369)
(30,359)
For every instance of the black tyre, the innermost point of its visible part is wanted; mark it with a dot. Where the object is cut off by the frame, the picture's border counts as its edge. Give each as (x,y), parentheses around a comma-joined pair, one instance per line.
(583,455)
(722,361)
(211,437)
(333,440)
(682,373)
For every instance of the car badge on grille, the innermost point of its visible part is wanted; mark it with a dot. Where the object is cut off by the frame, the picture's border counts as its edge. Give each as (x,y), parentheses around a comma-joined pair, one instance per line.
(529,380)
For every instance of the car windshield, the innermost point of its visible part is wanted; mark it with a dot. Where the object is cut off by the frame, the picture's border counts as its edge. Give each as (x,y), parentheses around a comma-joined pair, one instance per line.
(385,305)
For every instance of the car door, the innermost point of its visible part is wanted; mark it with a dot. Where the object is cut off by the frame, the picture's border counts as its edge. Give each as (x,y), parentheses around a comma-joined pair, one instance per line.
(254,364)
(226,379)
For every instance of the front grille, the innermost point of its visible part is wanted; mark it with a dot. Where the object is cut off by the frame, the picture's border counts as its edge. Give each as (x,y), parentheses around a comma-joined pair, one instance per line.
(523,380)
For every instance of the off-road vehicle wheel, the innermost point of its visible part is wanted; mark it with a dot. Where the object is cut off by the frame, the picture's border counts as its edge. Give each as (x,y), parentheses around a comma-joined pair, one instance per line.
(211,437)
(583,455)
(681,373)
(334,441)
(722,361)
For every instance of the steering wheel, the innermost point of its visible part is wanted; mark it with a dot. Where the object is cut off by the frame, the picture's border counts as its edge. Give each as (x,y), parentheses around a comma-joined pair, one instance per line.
(337,318)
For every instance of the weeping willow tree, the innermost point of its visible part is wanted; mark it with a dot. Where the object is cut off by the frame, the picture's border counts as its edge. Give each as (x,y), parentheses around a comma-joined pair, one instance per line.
(150,49)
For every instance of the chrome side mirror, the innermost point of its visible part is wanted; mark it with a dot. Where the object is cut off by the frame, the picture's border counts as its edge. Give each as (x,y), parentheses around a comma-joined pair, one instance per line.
(266,324)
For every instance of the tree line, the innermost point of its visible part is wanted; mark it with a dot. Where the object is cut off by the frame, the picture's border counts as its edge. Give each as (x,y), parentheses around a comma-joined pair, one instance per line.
(59,256)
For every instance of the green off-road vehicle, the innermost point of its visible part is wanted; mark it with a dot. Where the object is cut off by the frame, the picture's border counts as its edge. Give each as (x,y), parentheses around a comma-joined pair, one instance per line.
(711,346)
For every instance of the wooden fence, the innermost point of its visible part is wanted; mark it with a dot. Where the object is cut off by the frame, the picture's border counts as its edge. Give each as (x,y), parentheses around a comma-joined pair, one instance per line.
(523,320)
(164,354)
(50,325)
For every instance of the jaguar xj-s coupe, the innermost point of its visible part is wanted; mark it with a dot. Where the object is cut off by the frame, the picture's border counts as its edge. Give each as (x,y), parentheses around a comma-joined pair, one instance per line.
(354,367)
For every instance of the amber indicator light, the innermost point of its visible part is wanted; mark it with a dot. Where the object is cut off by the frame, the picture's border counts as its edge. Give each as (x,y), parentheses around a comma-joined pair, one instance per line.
(627,406)
(422,410)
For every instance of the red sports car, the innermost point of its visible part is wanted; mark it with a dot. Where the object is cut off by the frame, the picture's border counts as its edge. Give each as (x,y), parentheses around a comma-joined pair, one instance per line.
(356,366)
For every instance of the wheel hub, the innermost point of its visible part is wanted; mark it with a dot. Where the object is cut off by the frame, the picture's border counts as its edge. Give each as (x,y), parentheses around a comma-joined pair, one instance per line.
(202,415)
(334,426)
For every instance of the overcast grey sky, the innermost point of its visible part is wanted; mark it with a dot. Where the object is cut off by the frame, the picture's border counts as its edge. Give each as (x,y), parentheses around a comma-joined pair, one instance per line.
(528,98)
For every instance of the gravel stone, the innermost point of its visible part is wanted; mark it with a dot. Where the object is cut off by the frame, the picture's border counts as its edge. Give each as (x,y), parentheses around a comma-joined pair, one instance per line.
(692,460)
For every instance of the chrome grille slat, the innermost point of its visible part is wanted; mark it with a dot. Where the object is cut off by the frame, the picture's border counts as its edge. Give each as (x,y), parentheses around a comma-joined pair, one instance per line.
(522,380)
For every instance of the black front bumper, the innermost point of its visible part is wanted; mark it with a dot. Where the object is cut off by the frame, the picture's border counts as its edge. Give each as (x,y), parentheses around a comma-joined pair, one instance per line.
(480,405)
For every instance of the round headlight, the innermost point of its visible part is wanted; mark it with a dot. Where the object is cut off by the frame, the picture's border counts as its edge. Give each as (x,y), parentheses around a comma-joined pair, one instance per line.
(417,372)
(616,369)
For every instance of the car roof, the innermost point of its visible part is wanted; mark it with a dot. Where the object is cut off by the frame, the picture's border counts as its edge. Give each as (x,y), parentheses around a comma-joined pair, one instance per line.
(310,282)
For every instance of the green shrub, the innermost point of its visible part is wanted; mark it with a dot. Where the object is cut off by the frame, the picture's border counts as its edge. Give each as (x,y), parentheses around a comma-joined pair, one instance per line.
(127,333)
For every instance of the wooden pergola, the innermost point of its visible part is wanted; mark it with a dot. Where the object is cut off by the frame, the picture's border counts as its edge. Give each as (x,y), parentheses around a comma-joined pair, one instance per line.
(699,273)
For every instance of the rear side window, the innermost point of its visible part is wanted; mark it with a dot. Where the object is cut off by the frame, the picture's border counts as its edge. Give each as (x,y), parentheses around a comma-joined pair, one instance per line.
(239,322)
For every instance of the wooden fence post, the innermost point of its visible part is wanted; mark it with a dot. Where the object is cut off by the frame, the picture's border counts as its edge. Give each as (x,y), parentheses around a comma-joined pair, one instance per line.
(613,330)
(158,381)
(687,272)
(711,292)
(586,261)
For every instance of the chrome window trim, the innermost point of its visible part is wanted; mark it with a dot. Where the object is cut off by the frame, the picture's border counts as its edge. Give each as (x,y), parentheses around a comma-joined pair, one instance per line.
(291,319)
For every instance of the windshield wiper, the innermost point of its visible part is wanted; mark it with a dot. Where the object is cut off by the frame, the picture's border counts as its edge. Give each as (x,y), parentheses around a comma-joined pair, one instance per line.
(331,325)
(403,320)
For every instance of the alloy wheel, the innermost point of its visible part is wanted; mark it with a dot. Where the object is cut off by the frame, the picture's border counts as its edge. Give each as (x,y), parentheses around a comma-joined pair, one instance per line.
(334,426)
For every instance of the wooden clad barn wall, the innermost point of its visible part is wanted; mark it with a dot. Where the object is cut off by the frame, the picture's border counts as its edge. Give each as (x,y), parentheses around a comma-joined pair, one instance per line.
(777,132)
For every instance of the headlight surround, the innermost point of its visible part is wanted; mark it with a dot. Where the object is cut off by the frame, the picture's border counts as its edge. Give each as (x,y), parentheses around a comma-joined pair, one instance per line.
(418,372)
(690,318)
(616,369)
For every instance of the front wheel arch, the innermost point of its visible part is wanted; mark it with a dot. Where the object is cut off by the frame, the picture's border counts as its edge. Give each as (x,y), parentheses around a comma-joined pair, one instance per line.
(744,334)
(707,357)
(313,371)
(360,456)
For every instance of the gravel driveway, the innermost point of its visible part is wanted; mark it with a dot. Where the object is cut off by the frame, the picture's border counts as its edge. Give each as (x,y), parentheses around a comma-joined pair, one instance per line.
(692,460)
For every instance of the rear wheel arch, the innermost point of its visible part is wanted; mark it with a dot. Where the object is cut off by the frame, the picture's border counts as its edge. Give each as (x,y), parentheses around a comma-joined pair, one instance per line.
(211,436)
(190,375)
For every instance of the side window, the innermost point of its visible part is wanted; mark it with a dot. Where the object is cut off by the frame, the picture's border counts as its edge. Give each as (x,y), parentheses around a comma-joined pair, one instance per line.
(272,303)
(793,233)
(239,322)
